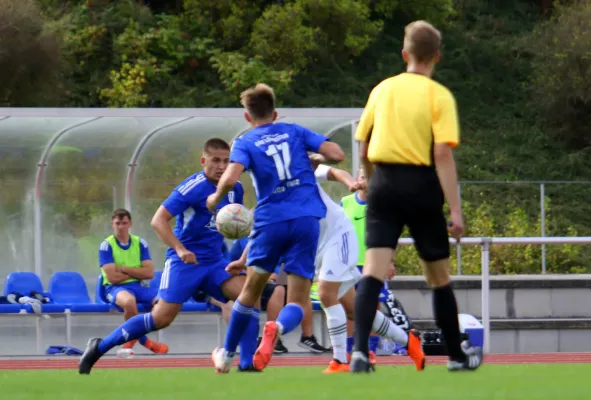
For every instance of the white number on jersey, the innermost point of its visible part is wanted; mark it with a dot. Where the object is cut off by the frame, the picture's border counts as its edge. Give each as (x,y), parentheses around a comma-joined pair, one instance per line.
(282,158)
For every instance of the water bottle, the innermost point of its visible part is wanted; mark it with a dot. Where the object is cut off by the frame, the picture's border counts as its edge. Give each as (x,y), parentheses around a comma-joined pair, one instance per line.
(125,353)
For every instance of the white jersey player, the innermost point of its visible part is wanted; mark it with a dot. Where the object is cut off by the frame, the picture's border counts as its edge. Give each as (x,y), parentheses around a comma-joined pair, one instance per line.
(337,274)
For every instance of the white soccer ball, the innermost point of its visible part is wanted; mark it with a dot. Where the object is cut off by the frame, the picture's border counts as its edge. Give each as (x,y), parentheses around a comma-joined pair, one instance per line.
(234,221)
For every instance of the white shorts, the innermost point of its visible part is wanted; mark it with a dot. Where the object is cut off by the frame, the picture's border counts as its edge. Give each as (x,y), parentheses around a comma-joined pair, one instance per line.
(337,261)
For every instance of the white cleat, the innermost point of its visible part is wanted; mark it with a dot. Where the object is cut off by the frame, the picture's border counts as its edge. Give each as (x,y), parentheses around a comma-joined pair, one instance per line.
(125,353)
(222,360)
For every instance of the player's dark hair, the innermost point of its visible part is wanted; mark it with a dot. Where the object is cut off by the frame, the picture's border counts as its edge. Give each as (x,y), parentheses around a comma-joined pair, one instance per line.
(259,101)
(120,213)
(215,144)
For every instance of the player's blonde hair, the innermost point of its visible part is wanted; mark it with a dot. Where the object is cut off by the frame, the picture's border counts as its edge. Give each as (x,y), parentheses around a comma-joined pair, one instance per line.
(259,101)
(422,41)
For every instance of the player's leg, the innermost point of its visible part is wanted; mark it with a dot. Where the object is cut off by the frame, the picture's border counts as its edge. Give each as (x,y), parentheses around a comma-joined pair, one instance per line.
(273,306)
(149,296)
(124,299)
(262,259)
(299,257)
(336,270)
(178,283)
(230,287)
(384,224)
(429,230)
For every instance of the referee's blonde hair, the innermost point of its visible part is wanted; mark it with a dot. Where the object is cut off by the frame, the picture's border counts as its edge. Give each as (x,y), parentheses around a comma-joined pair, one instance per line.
(422,41)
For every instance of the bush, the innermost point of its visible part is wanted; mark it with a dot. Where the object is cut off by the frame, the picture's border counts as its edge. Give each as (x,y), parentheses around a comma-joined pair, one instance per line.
(562,64)
(504,259)
(30,56)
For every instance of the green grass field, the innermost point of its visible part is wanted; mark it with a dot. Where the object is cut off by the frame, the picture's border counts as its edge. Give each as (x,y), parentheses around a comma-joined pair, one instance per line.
(523,382)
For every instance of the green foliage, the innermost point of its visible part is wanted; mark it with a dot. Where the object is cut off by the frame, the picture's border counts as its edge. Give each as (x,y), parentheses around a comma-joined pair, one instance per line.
(512,221)
(562,72)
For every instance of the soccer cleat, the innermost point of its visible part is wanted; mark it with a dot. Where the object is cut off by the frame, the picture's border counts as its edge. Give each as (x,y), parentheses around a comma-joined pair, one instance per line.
(90,357)
(360,363)
(250,368)
(280,347)
(263,355)
(156,347)
(415,349)
(372,358)
(222,360)
(472,362)
(336,367)
(130,344)
(310,343)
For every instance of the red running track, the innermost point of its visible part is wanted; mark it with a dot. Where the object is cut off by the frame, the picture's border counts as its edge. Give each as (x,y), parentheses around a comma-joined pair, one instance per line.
(278,361)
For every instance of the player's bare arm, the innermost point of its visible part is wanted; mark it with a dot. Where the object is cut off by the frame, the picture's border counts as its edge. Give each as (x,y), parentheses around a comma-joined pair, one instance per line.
(342,176)
(146,271)
(161,225)
(236,266)
(367,165)
(332,152)
(114,274)
(226,183)
(446,171)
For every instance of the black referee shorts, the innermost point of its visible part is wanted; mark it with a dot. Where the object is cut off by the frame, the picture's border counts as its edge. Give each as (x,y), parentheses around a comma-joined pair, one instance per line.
(407,195)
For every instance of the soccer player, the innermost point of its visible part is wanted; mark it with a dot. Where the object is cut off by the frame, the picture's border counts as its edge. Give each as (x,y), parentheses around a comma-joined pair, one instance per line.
(195,260)
(406,133)
(286,219)
(336,265)
(125,264)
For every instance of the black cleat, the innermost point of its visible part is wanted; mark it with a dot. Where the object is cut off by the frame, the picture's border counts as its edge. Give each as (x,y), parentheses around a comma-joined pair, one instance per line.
(280,347)
(90,357)
(360,363)
(250,368)
(311,344)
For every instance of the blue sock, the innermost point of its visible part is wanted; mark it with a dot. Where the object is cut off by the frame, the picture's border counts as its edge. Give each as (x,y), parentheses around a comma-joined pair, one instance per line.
(133,328)
(143,340)
(239,321)
(350,341)
(248,343)
(290,317)
(373,343)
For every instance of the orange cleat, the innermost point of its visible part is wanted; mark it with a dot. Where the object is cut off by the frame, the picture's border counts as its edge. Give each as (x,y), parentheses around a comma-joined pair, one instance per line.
(336,367)
(156,347)
(130,344)
(415,349)
(263,355)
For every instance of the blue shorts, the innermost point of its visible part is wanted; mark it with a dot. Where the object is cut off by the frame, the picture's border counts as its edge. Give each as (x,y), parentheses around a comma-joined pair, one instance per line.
(293,242)
(141,293)
(180,281)
(383,293)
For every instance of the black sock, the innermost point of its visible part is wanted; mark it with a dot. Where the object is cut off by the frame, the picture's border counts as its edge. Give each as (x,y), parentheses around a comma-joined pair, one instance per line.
(366,305)
(445,309)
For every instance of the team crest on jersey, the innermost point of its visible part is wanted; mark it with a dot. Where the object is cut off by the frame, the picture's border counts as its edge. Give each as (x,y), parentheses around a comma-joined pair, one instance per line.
(211,224)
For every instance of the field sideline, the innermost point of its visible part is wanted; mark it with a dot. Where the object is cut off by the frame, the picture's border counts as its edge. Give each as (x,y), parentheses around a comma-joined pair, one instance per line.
(203,361)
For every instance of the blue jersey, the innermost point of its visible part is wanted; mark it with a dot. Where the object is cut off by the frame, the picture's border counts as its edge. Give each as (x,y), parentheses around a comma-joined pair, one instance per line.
(277,157)
(195,224)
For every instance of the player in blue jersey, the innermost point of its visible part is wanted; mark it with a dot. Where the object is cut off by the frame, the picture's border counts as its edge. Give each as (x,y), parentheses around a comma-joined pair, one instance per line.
(195,260)
(286,218)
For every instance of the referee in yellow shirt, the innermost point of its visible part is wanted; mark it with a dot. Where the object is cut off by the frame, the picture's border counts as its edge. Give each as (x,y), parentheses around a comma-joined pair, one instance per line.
(406,133)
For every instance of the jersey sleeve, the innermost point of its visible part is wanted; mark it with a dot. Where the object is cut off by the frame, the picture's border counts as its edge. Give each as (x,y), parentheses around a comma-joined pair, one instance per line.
(321,173)
(105,254)
(445,124)
(176,203)
(365,125)
(313,140)
(240,154)
(144,250)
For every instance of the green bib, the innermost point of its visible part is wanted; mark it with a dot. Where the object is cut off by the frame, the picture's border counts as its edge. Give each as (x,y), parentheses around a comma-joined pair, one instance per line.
(356,213)
(125,258)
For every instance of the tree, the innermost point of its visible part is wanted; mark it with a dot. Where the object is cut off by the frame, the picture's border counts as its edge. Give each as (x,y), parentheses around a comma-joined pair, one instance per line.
(30,56)
(561,82)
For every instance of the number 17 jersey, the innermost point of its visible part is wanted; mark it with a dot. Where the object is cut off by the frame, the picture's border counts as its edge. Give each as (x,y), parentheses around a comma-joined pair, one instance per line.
(276,155)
